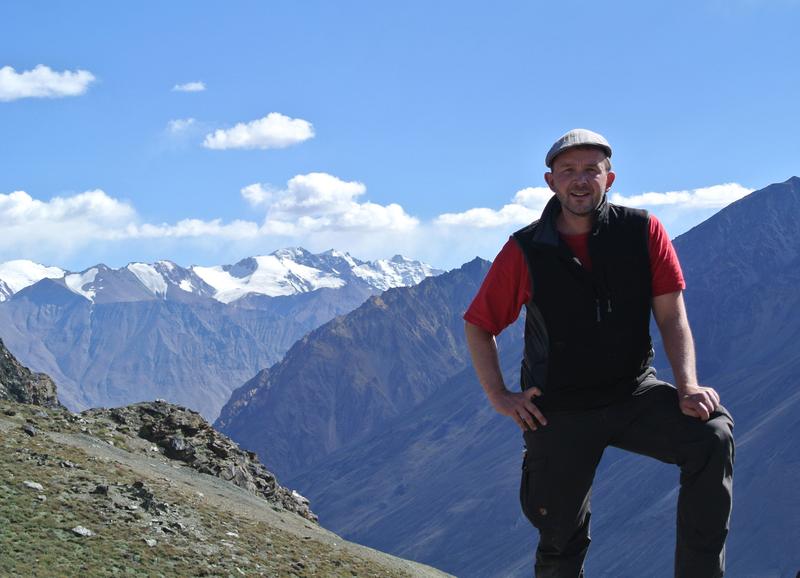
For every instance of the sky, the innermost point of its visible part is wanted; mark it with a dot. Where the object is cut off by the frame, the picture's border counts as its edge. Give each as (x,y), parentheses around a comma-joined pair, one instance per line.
(206,132)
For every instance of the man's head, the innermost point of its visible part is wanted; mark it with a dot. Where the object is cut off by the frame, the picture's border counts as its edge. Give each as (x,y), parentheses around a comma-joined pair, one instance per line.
(580,171)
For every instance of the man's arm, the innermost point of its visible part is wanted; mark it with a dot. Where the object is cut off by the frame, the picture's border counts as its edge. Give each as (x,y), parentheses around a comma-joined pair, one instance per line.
(670,314)
(517,406)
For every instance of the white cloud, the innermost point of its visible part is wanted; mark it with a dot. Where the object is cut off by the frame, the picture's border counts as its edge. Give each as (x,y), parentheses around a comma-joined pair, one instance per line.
(318,193)
(180,125)
(188,228)
(713,197)
(273,131)
(317,210)
(312,209)
(19,209)
(315,201)
(526,207)
(256,194)
(189,87)
(42,82)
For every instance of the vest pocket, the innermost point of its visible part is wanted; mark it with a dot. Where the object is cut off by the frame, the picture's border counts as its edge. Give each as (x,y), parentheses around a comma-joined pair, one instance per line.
(534,492)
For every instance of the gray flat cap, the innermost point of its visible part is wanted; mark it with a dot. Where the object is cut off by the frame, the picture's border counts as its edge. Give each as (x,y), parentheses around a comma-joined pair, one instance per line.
(575,138)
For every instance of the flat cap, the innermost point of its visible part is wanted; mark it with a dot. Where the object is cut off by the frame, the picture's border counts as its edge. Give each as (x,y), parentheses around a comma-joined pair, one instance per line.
(577,137)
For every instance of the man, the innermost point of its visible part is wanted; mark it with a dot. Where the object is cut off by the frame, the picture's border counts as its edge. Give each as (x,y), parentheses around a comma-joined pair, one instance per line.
(588,274)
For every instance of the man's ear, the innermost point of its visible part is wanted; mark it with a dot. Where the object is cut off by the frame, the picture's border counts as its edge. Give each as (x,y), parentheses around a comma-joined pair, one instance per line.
(548,178)
(610,179)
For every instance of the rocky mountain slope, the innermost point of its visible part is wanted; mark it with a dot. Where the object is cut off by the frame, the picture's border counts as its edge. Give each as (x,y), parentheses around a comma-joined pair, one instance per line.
(18,383)
(151,490)
(343,381)
(112,337)
(438,482)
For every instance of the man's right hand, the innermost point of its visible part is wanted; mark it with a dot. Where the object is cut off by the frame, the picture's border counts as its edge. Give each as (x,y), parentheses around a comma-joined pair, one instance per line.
(519,407)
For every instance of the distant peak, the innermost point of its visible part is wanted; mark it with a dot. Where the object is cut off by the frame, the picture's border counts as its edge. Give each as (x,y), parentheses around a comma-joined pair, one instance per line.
(290,252)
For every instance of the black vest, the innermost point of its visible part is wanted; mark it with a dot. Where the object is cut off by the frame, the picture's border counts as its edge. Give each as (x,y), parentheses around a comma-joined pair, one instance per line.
(587,334)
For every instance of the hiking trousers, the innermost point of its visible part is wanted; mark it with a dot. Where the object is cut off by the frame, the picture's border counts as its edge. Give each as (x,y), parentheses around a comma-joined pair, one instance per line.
(562,456)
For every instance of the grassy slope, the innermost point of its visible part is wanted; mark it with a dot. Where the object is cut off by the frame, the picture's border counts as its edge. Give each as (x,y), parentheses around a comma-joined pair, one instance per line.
(202,526)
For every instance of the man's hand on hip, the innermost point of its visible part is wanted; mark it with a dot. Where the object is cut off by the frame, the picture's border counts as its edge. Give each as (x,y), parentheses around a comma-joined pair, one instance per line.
(698,401)
(519,407)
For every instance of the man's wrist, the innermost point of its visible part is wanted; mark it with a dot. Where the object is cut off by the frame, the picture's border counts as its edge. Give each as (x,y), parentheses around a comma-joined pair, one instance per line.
(497,392)
(686,388)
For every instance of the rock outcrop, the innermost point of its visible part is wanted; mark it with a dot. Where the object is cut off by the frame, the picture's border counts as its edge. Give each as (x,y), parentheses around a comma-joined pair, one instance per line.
(20,384)
(183,435)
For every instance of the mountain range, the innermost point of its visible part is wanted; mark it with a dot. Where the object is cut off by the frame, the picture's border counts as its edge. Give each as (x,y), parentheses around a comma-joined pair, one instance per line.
(189,335)
(410,457)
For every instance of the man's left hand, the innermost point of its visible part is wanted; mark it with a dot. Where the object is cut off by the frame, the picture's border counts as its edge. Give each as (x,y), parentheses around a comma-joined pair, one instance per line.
(698,401)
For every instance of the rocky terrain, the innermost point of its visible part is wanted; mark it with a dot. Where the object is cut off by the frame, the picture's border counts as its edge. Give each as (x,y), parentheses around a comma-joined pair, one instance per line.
(150,490)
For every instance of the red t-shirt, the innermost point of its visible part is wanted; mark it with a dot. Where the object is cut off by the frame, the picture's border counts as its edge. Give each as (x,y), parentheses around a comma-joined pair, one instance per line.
(507,286)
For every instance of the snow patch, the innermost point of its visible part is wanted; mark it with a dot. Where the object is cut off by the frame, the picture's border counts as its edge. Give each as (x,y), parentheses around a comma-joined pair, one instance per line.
(77,283)
(397,272)
(150,278)
(272,276)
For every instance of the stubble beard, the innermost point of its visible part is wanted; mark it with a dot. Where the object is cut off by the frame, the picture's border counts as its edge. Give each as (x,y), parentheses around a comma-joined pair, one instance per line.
(580,211)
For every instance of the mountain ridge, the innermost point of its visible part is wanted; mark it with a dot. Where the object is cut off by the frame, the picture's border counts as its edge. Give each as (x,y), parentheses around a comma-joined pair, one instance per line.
(113,337)
(288,271)
(383,383)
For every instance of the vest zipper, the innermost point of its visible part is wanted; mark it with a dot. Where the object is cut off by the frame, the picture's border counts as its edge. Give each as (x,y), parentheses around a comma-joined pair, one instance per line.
(597,302)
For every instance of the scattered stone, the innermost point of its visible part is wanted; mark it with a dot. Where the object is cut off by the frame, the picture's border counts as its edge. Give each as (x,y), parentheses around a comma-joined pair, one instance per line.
(81,531)
(67,464)
(182,435)
(29,429)
(232,534)
(33,485)
(100,489)
(150,542)
(41,498)
(10,412)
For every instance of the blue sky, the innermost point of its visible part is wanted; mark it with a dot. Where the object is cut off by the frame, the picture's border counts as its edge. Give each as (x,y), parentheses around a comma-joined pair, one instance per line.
(372,127)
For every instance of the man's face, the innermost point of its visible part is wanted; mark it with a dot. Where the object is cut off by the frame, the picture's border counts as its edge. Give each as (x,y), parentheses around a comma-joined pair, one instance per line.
(579,179)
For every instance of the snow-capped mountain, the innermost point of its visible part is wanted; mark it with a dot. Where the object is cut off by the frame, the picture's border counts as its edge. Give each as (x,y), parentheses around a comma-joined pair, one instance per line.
(18,274)
(189,335)
(285,272)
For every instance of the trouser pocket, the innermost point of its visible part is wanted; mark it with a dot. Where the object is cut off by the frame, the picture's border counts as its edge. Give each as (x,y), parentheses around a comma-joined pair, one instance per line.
(533,491)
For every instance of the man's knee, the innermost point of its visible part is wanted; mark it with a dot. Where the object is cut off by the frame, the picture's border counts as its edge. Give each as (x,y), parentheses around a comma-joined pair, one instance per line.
(713,444)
